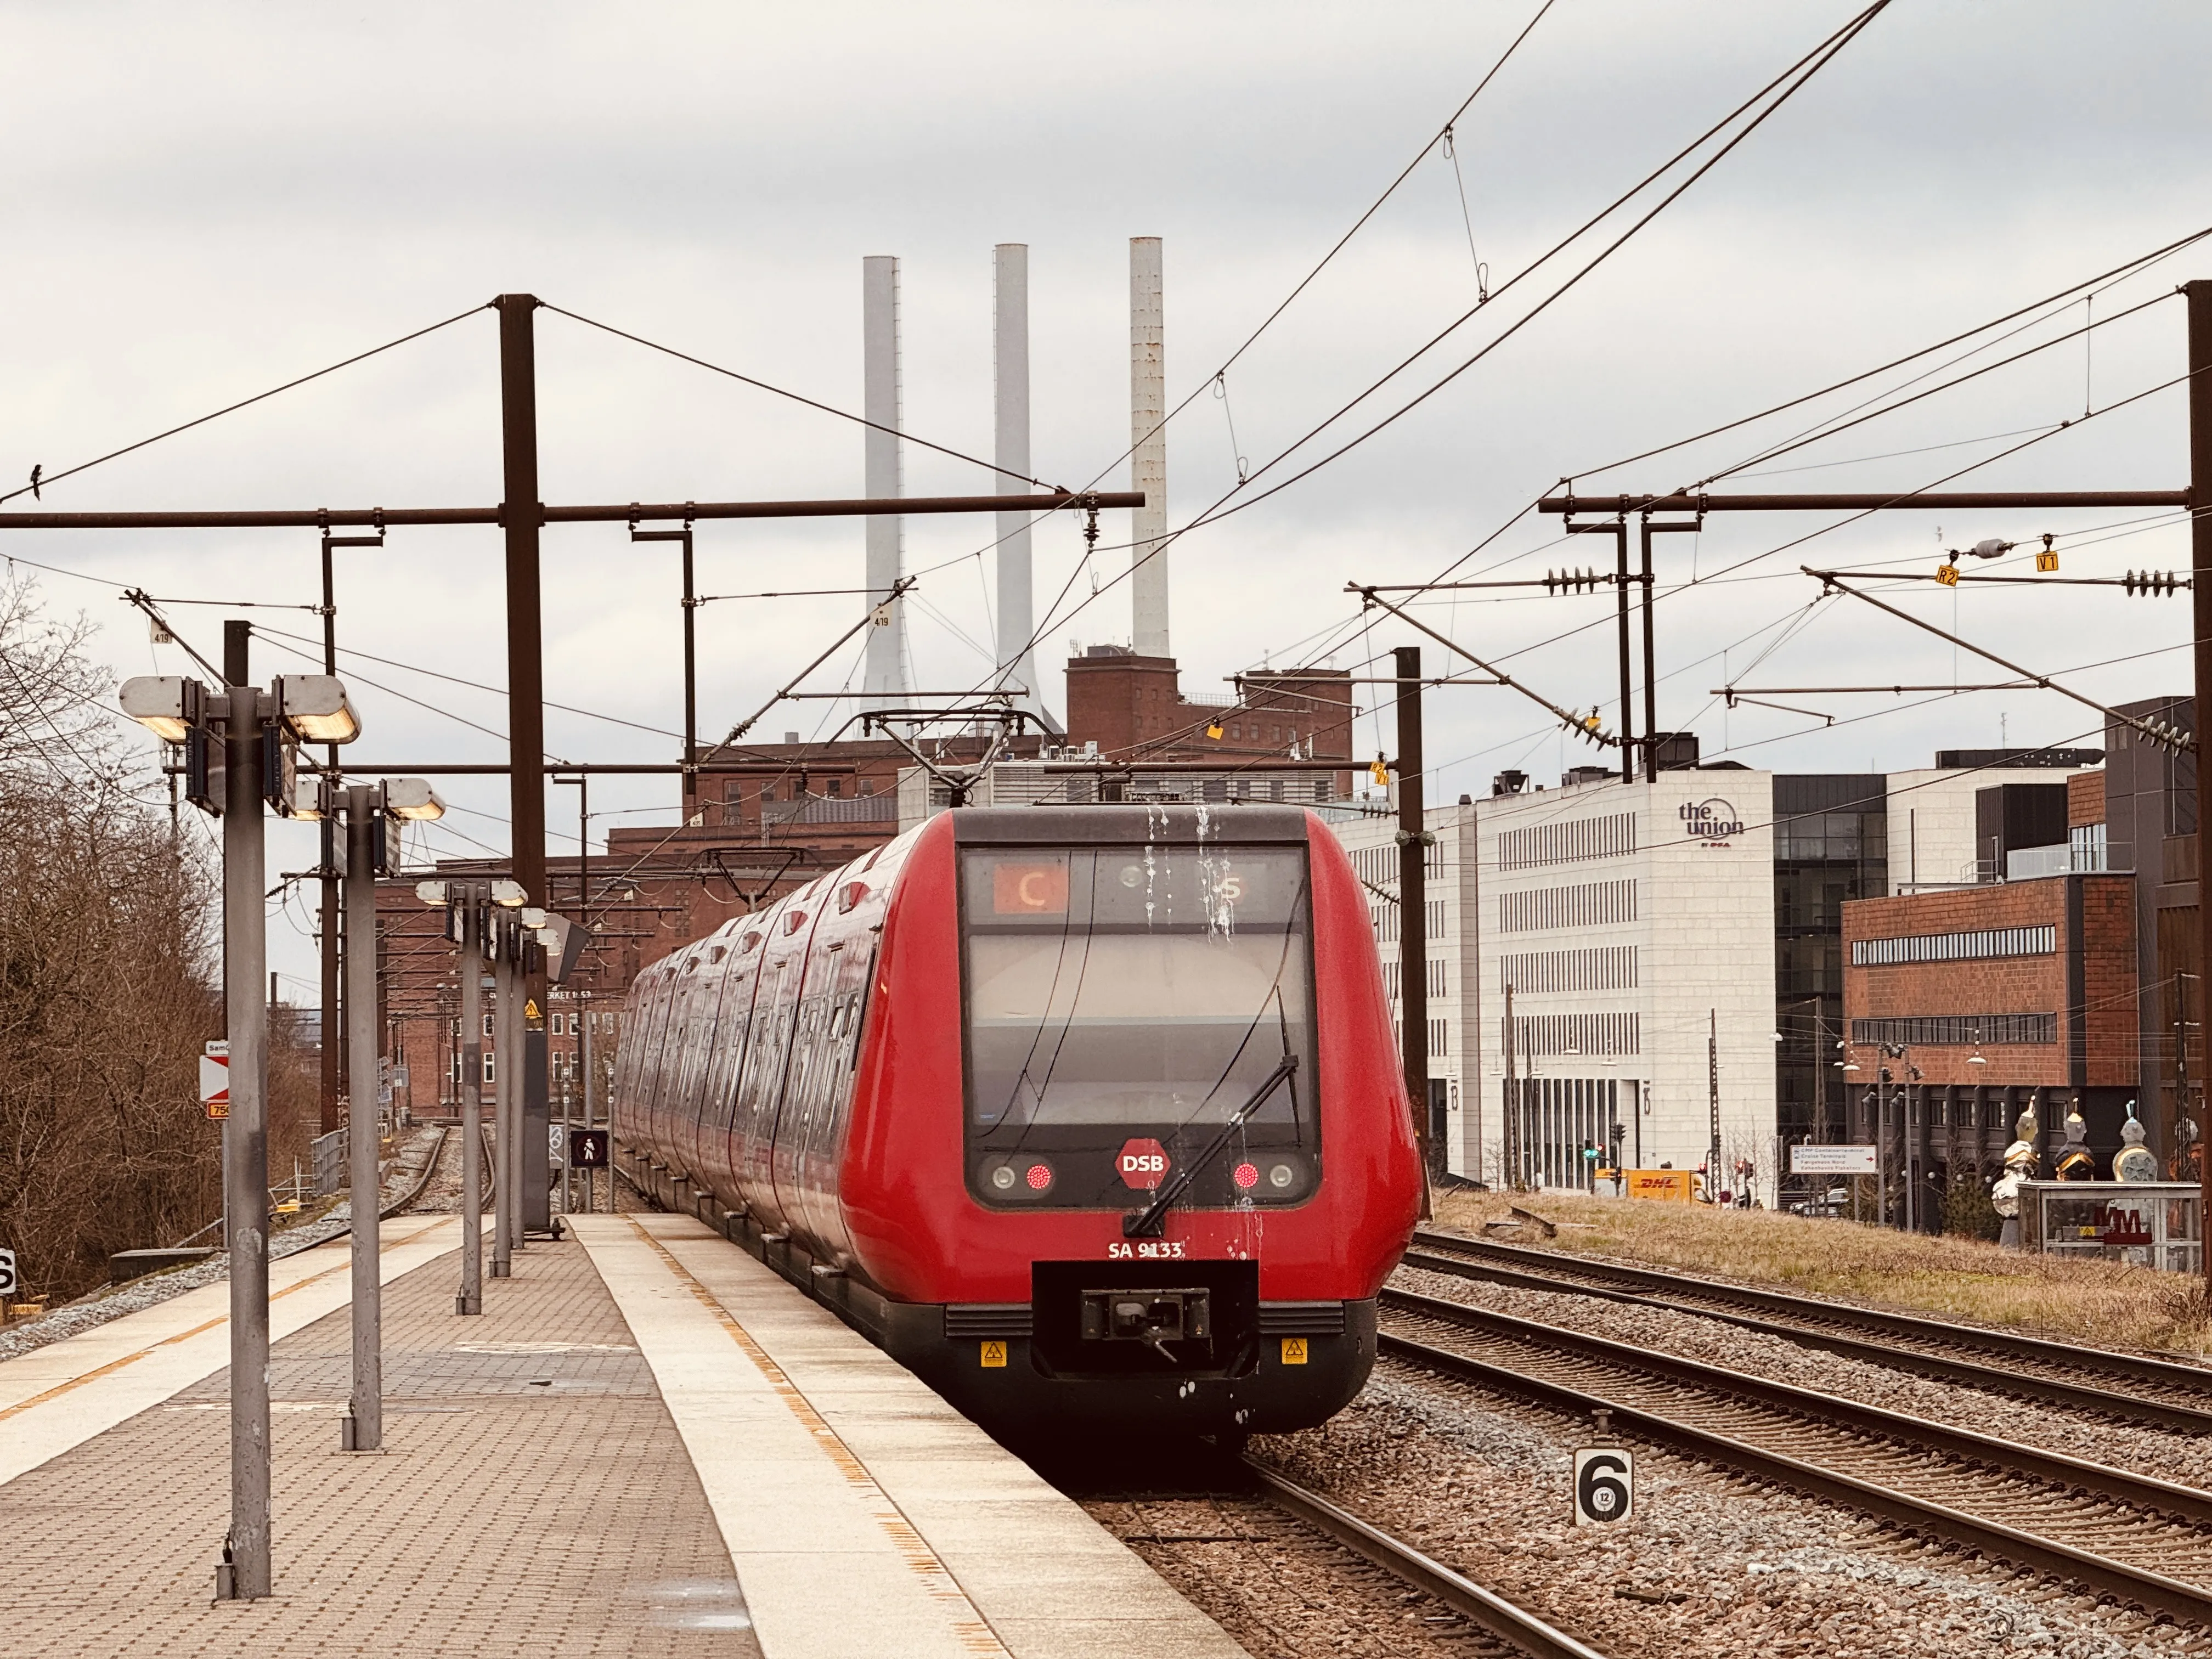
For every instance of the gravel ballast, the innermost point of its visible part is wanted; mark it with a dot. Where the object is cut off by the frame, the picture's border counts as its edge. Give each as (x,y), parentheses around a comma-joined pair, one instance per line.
(2169,1456)
(1707,1564)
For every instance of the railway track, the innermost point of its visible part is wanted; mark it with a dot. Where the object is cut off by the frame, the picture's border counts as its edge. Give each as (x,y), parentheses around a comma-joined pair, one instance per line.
(2145,1543)
(407,1199)
(2124,1387)
(1268,1559)
(1513,1628)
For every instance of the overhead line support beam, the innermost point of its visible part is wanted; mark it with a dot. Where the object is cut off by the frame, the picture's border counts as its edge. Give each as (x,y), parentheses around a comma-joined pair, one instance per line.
(315,518)
(1938,500)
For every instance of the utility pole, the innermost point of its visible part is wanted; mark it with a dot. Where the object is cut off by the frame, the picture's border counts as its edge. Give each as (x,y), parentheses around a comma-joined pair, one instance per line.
(363,1427)
(471,919)
(327,1097)
(1510,1144)
(245,1573)
(522,1069)
(583,782)
(506,1058)
(2199,299)
(1414,840)
(305,707)
(1627,691)
(1713,1096)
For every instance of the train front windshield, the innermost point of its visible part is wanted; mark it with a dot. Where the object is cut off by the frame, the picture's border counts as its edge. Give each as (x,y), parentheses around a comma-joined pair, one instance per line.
(1120,995)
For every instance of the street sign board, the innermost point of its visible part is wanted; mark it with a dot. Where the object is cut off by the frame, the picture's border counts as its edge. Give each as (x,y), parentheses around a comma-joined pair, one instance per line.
(8,1281)
(588,1149)
(214,1079)
(1833,1160)
(1605,1484)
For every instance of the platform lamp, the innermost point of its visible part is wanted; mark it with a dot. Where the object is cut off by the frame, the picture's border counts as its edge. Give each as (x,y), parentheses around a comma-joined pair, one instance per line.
(240,745)
(371,812)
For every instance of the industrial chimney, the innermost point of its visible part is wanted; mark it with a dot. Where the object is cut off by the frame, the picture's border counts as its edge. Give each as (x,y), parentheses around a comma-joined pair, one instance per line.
(1148,461)
(885,680)
(1009,387)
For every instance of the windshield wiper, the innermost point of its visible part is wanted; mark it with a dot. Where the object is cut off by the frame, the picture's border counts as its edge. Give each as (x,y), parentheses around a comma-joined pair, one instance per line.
(1152,1221)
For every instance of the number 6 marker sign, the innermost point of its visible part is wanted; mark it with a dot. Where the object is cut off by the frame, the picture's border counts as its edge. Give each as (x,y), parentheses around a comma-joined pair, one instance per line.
(1605,1484)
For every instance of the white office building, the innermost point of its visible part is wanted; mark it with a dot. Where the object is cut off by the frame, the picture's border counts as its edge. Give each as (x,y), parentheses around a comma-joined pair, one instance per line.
(1638,926)
(1633,925)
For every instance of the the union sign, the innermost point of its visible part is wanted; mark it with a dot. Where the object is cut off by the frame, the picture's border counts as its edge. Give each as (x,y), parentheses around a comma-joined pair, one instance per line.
(1711,820)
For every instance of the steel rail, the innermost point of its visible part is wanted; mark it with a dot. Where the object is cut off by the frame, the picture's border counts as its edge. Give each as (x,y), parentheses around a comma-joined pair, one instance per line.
(1486,1608)
(406,1200)
(2139,1586)
(2073,1396)
(2011,1348)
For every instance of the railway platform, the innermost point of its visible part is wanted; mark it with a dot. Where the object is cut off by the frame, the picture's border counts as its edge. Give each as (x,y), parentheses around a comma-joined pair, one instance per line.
(648,1443)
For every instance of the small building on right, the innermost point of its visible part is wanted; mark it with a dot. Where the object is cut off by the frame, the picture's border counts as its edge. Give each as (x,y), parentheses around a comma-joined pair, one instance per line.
(1964,1007)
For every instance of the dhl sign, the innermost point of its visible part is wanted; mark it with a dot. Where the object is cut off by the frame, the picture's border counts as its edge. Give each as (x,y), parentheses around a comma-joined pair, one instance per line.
(1678,1185)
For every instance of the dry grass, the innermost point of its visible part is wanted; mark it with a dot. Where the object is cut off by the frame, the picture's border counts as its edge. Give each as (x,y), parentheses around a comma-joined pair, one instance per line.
(2104,1304)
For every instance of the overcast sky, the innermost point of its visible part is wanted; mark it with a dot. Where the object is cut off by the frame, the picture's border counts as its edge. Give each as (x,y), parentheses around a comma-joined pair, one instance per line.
(208,200)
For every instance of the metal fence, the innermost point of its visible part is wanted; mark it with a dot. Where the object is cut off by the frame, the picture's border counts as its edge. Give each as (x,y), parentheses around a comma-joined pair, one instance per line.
(331,1174)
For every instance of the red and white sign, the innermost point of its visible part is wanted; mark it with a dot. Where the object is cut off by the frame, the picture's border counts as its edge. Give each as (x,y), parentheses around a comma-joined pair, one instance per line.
(214,1079)
(1142,1164)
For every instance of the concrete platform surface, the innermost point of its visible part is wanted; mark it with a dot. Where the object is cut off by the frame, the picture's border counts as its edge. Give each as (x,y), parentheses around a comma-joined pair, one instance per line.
(863,1514)
(648,1444)
(59,1396)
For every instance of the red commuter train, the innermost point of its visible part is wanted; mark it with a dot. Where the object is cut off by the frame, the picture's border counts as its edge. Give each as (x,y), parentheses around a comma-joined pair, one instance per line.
(1090,1115)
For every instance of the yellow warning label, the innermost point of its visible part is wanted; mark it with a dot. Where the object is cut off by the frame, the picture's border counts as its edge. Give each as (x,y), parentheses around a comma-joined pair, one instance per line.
(1294,1351)
(994,1356)
(218,1109)
(531,1015)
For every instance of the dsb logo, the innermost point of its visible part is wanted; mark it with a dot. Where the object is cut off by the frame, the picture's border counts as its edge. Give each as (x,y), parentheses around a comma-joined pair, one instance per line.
(1142,1164)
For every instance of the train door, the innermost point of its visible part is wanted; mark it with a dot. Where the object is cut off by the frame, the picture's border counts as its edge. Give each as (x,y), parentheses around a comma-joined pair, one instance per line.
(706,1021)
(720,1136)
(776,1010)
(651,1050)
(674,1051)
(829,1093)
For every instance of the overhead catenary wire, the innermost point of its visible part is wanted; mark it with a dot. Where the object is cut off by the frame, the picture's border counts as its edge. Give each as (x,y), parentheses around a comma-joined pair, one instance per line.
(2129,267)
(50,478)
(1803,69)
(2111,277)
(760,385)
(1776,451)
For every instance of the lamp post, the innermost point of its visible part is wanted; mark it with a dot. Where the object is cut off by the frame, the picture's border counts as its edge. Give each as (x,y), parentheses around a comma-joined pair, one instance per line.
(470,909)
(369,811)
(255,731)
(1903,1052)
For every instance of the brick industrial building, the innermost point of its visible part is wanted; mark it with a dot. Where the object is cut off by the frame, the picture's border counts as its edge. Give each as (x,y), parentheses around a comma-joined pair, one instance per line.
(1963,1008)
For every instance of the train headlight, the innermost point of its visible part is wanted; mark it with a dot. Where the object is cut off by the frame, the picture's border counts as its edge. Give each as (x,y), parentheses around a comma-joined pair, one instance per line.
(1004,1177)
(1282,1178)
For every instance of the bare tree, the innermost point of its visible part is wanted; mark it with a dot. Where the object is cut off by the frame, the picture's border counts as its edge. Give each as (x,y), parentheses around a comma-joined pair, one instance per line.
(110,973)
